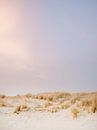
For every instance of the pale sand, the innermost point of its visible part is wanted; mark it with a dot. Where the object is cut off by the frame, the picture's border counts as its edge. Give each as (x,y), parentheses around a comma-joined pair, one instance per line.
(49,111)
(31,120)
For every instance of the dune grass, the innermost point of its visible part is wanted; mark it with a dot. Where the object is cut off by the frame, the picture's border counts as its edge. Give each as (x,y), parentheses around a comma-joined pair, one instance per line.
(53,102)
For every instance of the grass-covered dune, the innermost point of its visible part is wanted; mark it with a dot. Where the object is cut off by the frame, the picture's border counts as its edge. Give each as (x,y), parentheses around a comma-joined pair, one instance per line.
(52,102)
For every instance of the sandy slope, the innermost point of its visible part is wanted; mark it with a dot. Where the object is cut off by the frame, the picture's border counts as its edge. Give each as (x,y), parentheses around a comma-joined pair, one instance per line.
(47,121)
(49,111)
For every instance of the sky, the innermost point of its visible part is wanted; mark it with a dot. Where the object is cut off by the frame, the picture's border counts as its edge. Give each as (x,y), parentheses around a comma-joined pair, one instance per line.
(48,45)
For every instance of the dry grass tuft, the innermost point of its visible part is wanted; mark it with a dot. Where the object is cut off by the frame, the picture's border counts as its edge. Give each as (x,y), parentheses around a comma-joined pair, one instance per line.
(2,96)
(53,110)
(21,108)
(29,95)
(2,102)
(65,106)
(47,104)
(74,112)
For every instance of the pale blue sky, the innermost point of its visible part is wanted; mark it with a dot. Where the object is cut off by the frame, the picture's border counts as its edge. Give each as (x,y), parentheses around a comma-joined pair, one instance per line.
(48,45)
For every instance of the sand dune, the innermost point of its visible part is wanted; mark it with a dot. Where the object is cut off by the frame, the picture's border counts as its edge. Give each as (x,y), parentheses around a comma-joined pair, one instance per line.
(51,111)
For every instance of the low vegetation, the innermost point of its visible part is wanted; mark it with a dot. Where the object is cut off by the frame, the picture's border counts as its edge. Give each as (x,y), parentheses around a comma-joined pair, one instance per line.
(74,112)
(21,108)
(53,102)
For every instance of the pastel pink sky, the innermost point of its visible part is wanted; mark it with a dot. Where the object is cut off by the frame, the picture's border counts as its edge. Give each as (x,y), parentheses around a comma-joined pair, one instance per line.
(48,46)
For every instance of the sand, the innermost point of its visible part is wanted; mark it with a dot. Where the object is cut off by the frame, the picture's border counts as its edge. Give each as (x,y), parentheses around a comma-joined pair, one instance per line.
(32,120)
(35,117)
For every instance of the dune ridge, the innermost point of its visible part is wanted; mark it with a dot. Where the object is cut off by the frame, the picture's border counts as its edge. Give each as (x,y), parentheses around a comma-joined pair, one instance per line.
(52,102)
